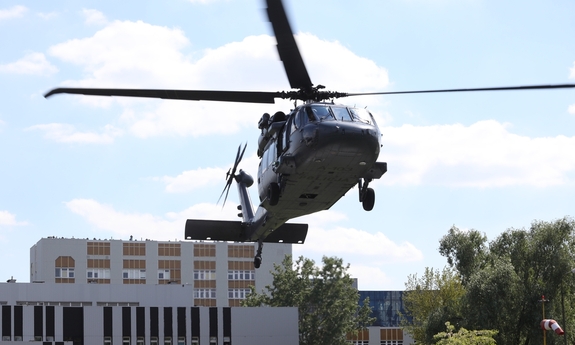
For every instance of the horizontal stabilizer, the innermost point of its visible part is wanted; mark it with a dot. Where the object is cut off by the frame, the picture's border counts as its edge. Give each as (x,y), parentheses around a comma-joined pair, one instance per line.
(224,230)
(288,233)
(378,169)
(215,230)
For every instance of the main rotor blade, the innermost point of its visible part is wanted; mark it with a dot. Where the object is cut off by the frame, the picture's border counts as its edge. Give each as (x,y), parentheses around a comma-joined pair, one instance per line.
(287,47)
(190,95)
(504,88)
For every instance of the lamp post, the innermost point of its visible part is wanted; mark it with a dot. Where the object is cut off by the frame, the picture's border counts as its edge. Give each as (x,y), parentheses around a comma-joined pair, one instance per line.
(563,305)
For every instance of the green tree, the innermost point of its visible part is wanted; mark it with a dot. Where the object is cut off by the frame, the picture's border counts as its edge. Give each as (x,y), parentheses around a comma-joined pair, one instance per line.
(328,303)
(505,281)
(430,301)
(464,250)
(465,337)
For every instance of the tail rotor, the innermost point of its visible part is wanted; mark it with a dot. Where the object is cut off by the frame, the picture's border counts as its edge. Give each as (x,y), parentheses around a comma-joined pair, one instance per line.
(232,173)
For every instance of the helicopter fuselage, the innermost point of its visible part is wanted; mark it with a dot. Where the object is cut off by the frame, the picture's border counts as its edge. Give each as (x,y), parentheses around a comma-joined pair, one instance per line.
(312,157)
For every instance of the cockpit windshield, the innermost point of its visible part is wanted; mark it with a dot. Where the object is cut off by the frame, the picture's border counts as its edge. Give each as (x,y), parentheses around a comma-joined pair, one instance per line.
(321,112)
(324,112)
(361,115)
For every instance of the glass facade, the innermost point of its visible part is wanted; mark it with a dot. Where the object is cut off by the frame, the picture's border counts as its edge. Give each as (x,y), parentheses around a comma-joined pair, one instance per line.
(386,307)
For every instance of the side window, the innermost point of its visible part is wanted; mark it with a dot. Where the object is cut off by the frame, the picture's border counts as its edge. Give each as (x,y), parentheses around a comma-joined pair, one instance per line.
(303,117)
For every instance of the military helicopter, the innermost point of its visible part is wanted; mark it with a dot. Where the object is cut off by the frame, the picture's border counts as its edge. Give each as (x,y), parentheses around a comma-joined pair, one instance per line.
(309,157)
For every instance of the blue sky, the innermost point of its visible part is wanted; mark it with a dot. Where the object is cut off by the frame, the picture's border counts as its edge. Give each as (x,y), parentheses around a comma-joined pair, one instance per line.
(93,167)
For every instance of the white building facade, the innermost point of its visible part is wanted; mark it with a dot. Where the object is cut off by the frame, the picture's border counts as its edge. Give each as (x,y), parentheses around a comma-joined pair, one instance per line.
(220,273)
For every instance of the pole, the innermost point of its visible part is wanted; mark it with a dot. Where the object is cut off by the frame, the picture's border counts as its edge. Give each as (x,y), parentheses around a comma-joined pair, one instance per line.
(563,313)
(543,300)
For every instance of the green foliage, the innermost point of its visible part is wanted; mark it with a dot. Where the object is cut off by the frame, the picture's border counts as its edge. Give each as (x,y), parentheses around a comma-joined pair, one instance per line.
(465,337)
(505,281)
(327,302)
(429,301)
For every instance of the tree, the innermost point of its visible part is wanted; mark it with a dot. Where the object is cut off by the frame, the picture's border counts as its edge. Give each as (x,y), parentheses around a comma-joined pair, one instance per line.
(327,302)
(505,281)
(465,337)
(464,250)
(430,301)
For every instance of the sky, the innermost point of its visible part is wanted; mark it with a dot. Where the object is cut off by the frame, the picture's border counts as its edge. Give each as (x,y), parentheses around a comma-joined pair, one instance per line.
(89,167)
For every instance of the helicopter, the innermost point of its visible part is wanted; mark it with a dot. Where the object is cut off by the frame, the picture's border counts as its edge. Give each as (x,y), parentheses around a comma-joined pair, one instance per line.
(309,158)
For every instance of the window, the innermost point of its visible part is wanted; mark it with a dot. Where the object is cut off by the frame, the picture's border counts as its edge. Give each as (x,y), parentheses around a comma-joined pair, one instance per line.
(238,293)
(64,272)
(361,115)
(205,293)
(204,275)
(134,274)
(321,112)
(341,114)
(241,275)
(98,273)
(163,274)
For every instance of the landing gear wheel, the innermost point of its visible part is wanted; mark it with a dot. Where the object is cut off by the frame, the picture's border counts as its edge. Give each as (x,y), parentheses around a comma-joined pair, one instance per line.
(257,261)
(368,199)
(273,193)
(258,258)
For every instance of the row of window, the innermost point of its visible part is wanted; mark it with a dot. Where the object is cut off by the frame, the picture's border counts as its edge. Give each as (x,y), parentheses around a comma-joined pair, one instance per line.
(211,293)
(241,275)
(238,293)
(104,273)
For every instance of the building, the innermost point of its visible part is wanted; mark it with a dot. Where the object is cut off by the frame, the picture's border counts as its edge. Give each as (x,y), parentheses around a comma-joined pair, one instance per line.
(220,273)
(87,314)
(161,292)
(386,308)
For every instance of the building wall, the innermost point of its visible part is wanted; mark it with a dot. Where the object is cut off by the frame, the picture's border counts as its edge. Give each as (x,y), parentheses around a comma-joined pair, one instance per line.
(88,313)
(204,265)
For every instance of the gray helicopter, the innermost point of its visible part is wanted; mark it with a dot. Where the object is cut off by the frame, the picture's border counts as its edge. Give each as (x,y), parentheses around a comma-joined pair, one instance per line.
(309,158)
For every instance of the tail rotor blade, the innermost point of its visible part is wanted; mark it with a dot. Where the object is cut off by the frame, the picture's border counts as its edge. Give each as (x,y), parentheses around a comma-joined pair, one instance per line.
(232,173)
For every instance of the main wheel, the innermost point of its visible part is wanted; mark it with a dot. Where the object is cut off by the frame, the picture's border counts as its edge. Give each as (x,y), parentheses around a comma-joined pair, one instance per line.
(257,261)
(273,194)
(368,199)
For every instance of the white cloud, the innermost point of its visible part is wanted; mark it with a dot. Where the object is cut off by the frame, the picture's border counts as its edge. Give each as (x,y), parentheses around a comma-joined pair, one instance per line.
(13,12)
(6,218)
(168,227)
(65,133)
(369,277)
(137,54)
(367,253)
(485,154)
(191,180)
(94,17)
(571,109)
(202,1)
(32,63)
(48,15)
(359,245)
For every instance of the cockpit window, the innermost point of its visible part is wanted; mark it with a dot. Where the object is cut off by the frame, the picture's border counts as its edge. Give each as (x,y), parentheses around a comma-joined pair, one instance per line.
(341,114)
(321,112)
(361,115)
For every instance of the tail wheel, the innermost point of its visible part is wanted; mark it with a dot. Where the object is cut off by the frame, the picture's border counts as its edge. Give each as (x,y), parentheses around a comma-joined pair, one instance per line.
(257,261)
(368,199)
(273,193)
